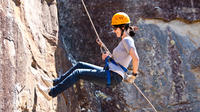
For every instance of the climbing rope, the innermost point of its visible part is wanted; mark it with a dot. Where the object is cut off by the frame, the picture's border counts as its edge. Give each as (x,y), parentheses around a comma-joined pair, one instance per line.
(103,45)
(144,96)
(99,39)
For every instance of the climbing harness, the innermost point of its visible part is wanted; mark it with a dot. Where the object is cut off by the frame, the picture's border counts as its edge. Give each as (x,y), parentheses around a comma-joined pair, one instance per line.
(106,67)
(103,47)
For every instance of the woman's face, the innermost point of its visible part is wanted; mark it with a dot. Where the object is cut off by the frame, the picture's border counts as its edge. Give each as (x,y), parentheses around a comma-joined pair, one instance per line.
(117,31)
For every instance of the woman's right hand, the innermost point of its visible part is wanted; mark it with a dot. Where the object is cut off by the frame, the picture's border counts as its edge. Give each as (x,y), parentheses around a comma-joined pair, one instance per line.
(104,55)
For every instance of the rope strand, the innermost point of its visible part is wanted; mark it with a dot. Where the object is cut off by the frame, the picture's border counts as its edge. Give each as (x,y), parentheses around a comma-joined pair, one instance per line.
(145,97)
(103,45)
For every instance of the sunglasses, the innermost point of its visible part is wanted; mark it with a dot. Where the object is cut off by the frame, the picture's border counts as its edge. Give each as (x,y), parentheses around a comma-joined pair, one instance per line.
(115,27)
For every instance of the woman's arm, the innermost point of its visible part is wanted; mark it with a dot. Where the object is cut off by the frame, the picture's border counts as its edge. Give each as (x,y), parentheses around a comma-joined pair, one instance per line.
(135,60)
(135,63)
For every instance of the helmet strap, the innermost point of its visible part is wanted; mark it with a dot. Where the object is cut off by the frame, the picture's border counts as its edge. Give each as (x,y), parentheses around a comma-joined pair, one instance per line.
(122,32)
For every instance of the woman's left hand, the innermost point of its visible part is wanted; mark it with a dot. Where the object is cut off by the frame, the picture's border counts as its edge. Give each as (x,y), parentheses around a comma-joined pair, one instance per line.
(130,79)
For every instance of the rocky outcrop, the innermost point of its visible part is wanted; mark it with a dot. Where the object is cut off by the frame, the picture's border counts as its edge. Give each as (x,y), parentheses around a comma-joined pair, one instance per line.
(28,45)
(32,46)
(195,59)
(167,37)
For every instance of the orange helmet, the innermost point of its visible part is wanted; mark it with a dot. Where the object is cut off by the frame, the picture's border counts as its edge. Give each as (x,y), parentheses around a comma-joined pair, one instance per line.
(120,18)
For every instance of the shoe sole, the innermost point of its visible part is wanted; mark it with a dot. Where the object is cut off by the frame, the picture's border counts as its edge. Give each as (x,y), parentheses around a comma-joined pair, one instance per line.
(46,82)
(43,93)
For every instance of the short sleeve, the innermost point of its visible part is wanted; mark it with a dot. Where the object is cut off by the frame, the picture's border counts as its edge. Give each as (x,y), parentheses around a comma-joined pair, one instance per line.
(128,44)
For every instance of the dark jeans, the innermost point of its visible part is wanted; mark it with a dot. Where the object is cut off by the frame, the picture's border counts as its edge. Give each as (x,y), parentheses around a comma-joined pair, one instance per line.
(83,71)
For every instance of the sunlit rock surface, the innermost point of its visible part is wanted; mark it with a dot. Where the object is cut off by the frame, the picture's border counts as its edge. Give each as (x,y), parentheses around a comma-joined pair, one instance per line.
(28,45)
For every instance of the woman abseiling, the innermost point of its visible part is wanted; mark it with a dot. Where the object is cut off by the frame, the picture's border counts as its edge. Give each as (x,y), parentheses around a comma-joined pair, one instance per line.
(122,55)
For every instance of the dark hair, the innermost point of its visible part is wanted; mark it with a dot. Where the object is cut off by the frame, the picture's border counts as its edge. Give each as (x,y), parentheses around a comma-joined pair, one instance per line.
(128,28)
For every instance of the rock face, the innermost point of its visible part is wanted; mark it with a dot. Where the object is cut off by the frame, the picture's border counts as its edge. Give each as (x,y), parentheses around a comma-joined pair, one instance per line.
(195,59)
(28,47)
(167,39)
(31,46)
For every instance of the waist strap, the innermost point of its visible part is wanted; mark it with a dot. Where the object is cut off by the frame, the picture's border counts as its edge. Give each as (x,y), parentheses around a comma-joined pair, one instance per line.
(106,67)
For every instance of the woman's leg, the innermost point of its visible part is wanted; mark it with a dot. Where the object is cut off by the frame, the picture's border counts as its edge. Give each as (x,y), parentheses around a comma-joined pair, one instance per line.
(79,65)
(96,76)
